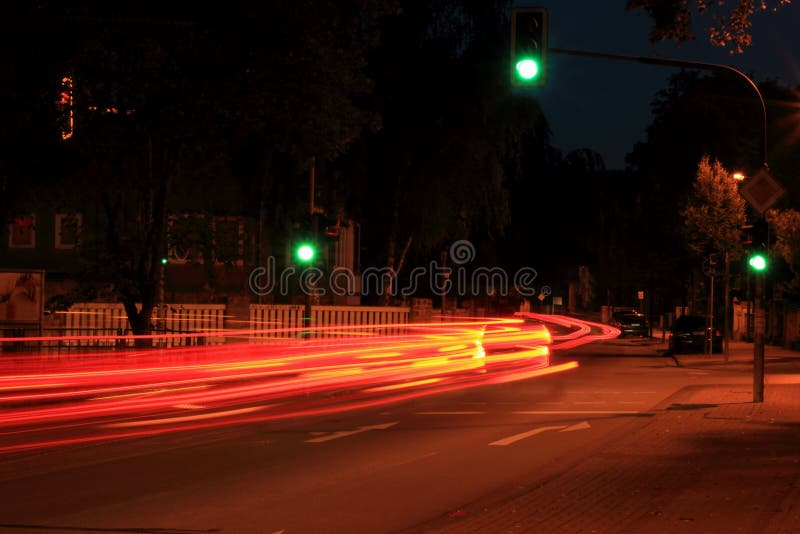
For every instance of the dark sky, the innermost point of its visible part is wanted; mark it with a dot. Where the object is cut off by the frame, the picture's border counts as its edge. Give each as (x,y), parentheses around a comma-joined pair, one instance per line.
(604,104)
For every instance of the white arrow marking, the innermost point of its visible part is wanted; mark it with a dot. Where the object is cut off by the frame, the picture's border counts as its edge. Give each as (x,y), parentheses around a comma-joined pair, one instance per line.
(516,437)
(345,433)
(583,425)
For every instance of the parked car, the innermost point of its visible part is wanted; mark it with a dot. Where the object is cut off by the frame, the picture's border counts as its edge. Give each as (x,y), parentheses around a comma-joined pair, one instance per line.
(630,323)
(691,334)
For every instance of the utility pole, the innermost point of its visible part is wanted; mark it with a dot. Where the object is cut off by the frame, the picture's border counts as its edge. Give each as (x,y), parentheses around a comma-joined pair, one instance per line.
(726,314)
(709,347)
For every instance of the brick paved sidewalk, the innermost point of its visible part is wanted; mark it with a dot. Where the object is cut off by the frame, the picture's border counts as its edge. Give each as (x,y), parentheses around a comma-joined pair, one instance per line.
(707,460)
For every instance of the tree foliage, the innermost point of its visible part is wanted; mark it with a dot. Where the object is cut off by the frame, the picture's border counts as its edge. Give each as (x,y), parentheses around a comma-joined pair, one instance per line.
(786,226)
(730,22)
(715,212)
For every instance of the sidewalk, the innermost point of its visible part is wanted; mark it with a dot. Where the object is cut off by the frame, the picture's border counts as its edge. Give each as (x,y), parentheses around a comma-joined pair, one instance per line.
(740,357)
(706,460)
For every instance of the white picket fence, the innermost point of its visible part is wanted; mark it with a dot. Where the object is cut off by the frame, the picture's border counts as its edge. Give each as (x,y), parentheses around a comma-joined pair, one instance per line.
(286,320)
(181,323)
(110,319)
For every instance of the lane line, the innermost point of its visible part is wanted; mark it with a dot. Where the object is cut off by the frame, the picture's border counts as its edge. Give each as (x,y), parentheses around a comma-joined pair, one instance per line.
(345,433)
(567,412)
(450,413)
(516,437)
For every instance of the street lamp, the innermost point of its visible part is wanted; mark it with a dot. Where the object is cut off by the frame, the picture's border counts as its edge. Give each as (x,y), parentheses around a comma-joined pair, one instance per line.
(738,176)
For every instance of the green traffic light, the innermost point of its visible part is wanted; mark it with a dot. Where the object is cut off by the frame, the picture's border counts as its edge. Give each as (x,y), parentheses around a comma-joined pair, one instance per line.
(305,253)
(758,262)
(164,261)
(527,69)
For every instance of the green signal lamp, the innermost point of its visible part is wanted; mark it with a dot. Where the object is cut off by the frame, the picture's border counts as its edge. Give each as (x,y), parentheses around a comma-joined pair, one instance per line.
(305,253)
(527,69)
(164,261)
(758,262)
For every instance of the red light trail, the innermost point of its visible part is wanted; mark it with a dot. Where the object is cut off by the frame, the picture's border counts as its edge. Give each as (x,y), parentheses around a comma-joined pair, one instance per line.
(49,400)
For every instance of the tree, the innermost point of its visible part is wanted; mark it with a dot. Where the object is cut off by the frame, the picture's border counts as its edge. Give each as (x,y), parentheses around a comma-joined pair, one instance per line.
(672,19)
(786,226)
(714,218)
(156,84)
(715,212)
(452,136)
(698,115)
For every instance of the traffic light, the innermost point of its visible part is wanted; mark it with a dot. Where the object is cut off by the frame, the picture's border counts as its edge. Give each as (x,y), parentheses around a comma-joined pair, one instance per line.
(528,46)
(757,262)
(305,253)
(164,260)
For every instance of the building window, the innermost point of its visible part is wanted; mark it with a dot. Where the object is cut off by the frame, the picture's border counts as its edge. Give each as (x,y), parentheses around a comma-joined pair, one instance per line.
(22,232)
(229,240)
(187,237)
(68,229)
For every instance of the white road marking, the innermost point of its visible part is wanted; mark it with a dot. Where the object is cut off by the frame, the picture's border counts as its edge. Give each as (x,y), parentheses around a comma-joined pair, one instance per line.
(643,392)
(345,433)
(450,413)
(567,412)
(631,402)
(516,437)
(190,406)
(590,402)
(583,425)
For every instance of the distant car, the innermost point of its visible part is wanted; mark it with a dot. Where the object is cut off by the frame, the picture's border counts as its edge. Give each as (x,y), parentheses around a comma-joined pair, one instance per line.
(630,323)
(691,334)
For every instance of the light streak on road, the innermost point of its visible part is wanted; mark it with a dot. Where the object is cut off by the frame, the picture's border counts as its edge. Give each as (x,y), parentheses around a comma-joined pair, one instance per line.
(49,400)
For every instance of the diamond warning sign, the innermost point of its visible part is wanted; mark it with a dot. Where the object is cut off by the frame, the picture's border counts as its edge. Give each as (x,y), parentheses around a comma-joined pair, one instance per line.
(761,191)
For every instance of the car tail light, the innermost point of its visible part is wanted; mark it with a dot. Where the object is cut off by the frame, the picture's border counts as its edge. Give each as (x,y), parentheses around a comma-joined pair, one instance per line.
(717,333)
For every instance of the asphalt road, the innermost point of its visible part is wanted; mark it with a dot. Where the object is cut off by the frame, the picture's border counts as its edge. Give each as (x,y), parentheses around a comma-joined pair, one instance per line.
(382,469)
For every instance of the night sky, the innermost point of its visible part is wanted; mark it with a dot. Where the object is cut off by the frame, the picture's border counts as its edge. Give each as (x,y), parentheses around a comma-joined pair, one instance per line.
(604,104)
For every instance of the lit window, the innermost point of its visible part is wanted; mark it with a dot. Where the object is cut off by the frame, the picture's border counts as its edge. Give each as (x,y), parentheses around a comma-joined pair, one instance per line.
(66,107)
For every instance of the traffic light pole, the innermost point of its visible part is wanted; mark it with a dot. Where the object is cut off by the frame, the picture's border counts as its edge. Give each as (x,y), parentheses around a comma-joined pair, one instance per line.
(758,341)
(680,63)
(758,335)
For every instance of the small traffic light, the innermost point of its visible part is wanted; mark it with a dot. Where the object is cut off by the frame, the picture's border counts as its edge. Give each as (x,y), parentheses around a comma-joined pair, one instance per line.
(528,46)
(164,260)
(758,262)
(305,252)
